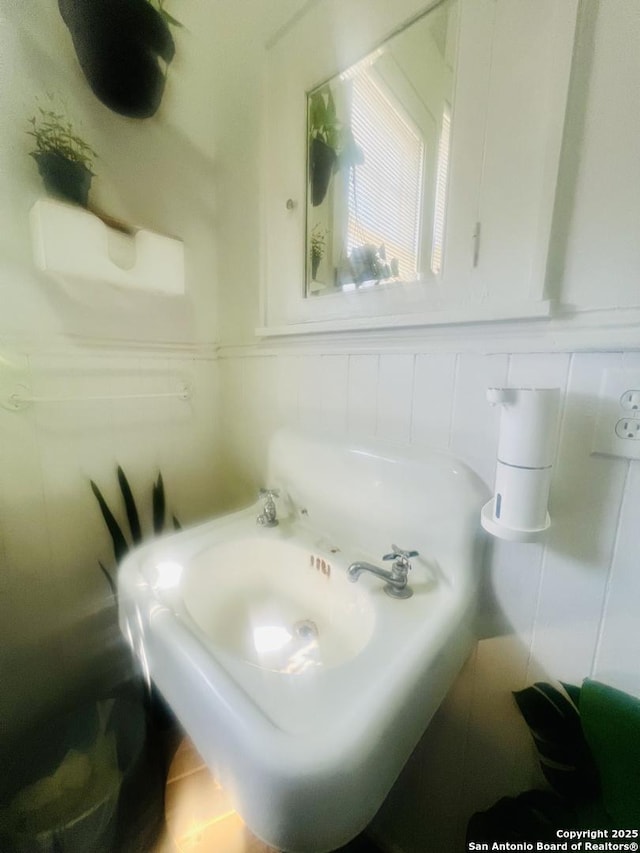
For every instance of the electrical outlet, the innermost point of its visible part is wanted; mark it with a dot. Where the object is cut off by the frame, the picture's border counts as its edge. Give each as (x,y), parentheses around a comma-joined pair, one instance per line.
(628,428)
(617,428)
(630,400)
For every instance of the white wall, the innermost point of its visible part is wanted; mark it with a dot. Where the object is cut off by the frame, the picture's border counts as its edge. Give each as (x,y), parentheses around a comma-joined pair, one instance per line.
(57,620)
(560,610)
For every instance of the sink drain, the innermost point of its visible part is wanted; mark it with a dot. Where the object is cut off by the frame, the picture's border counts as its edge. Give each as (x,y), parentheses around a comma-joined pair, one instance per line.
(306,629)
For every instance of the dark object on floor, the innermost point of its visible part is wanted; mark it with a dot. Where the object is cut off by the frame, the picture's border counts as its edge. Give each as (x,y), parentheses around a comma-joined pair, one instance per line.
(119,44)
(360,844)
(534,814)
(141,805)
(81,781)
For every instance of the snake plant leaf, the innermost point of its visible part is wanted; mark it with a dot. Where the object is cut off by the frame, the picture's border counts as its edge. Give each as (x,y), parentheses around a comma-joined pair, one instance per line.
(563,752)
(120,546)
(130,506)
(158,505)
(110,580)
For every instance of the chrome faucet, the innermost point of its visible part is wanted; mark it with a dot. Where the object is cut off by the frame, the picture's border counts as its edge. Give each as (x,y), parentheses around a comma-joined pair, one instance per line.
(396,579)
(267,517)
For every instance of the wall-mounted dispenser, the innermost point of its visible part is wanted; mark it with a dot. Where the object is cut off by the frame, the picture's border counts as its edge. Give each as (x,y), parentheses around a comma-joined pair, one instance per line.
(526,449)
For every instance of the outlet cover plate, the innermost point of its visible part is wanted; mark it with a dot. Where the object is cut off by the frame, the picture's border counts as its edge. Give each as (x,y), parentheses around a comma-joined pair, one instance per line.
(615,384)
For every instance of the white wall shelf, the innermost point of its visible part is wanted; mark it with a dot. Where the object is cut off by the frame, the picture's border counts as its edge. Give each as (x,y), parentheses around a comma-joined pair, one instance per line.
(75,244)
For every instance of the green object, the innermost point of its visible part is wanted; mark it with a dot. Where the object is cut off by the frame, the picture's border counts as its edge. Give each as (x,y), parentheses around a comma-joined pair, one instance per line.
(611,723)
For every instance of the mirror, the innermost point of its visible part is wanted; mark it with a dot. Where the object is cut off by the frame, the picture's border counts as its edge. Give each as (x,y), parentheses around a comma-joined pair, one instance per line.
(378,142)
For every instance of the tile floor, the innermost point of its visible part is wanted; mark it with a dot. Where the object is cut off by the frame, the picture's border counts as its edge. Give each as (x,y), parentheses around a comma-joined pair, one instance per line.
(198,815)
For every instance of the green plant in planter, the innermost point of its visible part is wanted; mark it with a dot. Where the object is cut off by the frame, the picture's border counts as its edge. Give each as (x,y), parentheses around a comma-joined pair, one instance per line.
(331,144)
(65,160)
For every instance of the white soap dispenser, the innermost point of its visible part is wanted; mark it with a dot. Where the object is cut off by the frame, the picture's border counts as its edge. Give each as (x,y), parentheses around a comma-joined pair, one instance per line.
(526,450)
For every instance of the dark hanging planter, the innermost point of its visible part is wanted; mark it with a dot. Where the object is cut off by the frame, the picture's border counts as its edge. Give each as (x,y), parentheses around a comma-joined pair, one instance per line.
(64,178)
(119,44)
(322,163)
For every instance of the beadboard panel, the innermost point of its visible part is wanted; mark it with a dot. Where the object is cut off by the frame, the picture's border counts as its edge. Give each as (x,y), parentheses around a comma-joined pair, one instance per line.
(474,428)
(362,398)
(395,397)
(558,609)
(587,493)
(334,390)
(433,384)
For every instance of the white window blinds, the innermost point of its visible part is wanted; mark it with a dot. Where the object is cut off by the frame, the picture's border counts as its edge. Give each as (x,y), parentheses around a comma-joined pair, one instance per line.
(386,191)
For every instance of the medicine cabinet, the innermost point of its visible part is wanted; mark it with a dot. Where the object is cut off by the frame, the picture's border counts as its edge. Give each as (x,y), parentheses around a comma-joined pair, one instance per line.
(488,134)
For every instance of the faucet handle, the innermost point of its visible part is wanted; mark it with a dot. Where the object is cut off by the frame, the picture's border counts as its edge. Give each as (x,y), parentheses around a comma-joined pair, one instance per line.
(399,554)
(268,516)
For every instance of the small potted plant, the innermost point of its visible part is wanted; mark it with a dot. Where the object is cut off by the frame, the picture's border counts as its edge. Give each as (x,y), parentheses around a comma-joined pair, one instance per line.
(65,161)
(318,237)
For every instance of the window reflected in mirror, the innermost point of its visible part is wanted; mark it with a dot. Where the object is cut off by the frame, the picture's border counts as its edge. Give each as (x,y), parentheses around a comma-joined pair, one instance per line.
(378,161)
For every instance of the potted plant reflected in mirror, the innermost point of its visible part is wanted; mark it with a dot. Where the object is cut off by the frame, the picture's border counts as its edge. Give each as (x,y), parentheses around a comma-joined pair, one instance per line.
(65,161)
(331,144)
(368,264)
(318,246)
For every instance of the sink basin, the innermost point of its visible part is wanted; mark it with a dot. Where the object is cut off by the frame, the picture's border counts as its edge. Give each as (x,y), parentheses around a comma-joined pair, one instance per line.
(275,604)
(303,692)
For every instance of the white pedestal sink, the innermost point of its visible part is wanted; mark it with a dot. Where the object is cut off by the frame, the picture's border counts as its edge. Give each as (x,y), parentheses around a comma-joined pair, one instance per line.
(303,692)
